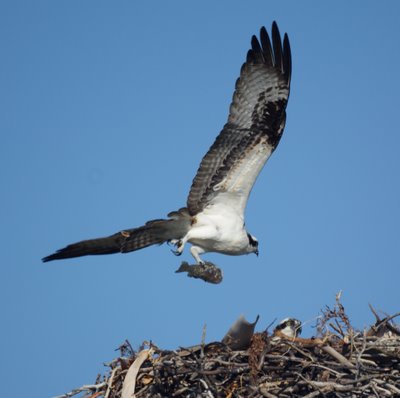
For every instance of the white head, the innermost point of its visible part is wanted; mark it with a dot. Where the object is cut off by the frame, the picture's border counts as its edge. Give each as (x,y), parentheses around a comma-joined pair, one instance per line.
(290,327)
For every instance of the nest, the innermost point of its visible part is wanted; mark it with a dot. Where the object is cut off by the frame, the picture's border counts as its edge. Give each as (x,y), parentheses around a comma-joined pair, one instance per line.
(339,362)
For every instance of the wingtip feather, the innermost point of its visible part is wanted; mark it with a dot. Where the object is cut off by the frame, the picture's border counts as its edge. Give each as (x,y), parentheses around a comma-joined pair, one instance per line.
(255,55)
(266,46)
(287,58)
(277,44)
(274,53)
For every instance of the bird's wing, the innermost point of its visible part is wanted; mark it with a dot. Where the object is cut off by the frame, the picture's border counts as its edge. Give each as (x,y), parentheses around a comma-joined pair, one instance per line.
(255,124)
(152,233)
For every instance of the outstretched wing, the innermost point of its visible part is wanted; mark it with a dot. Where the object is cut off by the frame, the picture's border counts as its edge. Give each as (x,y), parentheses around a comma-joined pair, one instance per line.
(255,124)
(152,233)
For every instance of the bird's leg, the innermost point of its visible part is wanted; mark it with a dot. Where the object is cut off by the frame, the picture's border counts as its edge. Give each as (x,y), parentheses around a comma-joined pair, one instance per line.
(179,244)
(196,251)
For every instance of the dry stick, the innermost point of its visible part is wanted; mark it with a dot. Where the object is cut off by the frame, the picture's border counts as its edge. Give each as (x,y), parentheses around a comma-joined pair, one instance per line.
(392,388)
(392,328)
(203,339)
(335,372)
(265,393)
(294,347)
(329,385)
(359,380)
(209,393)
(386,321)
(313,394)
(97,394)
(336,329)
(308,382)
(383,391)
(110,381)
(360,354)
(378,319)
(389,318)
(339,357)
(372,387)
(88,387)
(128,389)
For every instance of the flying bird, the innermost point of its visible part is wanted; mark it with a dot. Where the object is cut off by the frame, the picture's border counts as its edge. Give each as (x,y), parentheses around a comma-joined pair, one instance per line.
(213,219)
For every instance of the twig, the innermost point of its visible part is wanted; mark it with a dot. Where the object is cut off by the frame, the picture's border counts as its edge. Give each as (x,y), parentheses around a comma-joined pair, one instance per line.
(360,354)
(88,387)
(203,339)
(263,391)
(128,388)
(110,381)
(339,357)
(209,393)
(313,394)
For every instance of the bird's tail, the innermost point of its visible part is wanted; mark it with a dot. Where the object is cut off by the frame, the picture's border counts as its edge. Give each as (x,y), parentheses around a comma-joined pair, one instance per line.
(152,233)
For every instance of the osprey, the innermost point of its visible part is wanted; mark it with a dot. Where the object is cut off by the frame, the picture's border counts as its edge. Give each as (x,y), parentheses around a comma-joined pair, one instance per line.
(213,220)
(288,327)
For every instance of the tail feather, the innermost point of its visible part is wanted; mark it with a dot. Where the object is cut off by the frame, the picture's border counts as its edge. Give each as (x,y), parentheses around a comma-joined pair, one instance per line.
(152,233)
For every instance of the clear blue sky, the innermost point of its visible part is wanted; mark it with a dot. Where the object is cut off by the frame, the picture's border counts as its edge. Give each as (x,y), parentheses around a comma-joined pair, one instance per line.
(106,111)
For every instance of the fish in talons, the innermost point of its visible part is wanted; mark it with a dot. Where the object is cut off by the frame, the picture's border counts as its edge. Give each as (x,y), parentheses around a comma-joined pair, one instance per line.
(206,271)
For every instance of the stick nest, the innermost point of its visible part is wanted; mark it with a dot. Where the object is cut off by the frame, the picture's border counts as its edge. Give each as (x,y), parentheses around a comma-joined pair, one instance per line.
(339,362)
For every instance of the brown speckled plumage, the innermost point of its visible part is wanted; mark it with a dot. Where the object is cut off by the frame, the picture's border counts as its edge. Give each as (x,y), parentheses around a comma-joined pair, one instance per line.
(257,115)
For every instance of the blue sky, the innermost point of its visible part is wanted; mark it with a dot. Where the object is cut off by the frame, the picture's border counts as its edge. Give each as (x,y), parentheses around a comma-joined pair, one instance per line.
(107,110)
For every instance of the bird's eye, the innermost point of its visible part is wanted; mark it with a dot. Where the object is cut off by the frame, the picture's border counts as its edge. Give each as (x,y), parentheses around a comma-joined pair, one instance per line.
(253,242)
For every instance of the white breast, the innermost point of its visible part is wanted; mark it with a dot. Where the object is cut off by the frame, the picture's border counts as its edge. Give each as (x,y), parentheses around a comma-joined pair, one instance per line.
(219,228)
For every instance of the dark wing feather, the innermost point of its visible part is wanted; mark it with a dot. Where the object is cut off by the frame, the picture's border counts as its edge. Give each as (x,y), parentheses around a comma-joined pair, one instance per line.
(254,128)
(152,233)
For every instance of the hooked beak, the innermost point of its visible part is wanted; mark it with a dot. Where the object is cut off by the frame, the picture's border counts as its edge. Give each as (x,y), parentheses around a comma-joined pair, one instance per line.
(256,252)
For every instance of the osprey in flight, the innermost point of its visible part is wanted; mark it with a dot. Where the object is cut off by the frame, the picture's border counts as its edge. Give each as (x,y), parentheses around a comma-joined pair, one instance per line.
(213,219)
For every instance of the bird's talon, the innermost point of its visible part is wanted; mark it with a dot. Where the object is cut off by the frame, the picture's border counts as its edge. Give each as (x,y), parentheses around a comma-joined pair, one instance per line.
(176,252)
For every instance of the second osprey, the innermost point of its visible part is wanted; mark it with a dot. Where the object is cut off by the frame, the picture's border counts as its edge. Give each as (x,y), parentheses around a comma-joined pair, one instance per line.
(213,220)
